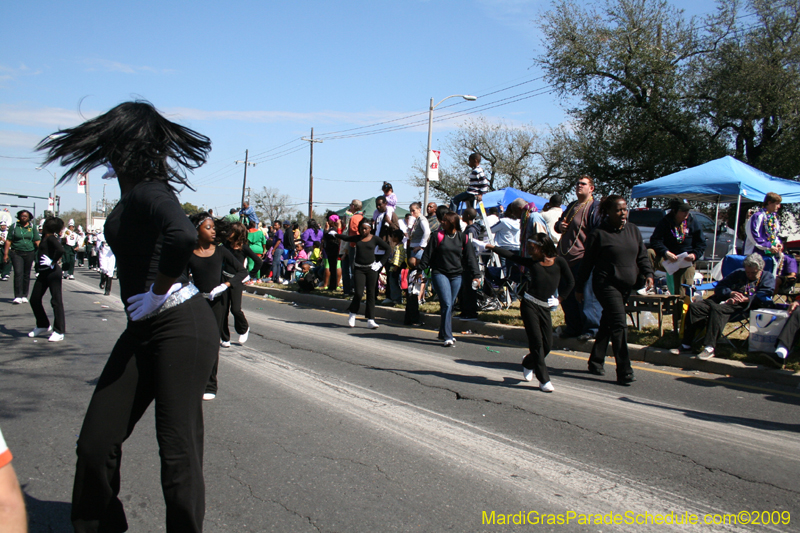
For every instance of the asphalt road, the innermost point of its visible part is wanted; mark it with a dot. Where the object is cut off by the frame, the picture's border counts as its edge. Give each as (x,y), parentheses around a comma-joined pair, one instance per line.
(319,427)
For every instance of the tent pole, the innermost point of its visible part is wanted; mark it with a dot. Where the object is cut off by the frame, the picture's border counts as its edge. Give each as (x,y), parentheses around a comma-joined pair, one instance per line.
(736,225)
(714,244)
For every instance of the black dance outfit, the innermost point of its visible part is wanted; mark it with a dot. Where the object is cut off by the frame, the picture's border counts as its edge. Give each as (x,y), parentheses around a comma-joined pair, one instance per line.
(206,275)
(619,260)
(166,357)
(49,279)
(541,283)
(363,275)
(234,295)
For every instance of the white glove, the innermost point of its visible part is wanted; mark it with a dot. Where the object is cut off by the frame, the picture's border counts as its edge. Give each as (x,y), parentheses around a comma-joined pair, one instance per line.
(376,266)
(552,301)
(216,291)
(45,261)
(480,246)
(141,305)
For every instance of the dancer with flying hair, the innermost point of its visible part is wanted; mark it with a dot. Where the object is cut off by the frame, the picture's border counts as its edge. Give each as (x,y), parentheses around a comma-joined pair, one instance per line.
(171,341)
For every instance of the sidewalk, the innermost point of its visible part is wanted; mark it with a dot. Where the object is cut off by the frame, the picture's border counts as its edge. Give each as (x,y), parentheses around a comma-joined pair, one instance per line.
(655,356)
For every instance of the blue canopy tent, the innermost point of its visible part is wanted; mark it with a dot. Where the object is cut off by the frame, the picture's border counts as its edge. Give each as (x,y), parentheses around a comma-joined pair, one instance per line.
(724,180)
(509,194)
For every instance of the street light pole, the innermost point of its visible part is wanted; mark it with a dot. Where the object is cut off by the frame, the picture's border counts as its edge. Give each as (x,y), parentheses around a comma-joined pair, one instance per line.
(467,97)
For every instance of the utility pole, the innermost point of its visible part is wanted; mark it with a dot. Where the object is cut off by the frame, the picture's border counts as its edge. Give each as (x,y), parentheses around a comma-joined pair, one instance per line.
(244,182)
(311,142)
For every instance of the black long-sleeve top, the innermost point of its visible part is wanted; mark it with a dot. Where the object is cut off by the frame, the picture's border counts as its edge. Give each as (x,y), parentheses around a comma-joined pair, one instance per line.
(616,256)
(149,233)
(241,254)
(542,280)
(663,240)
(757,291)
(207,271)
(365,250)
(451,255)
(51,247)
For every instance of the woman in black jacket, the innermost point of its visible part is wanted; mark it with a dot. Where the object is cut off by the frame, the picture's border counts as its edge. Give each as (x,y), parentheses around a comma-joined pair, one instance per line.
(450,255)
(617,255)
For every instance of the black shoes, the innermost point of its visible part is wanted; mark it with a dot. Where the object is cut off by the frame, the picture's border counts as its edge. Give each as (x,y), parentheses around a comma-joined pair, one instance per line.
(597,371)
(626,379)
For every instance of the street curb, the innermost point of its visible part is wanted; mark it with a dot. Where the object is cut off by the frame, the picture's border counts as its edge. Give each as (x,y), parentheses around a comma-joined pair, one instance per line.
(654,356)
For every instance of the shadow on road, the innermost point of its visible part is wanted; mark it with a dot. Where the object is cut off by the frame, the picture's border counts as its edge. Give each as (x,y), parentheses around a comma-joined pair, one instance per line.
(47,517)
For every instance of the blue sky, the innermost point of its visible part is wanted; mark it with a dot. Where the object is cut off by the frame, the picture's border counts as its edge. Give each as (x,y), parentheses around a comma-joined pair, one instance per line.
(259,76)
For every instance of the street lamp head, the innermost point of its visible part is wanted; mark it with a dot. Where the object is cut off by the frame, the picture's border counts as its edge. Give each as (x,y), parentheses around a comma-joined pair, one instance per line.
(469,97)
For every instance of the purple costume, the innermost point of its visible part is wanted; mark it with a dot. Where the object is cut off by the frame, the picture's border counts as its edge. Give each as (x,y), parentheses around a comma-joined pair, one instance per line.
(762,234)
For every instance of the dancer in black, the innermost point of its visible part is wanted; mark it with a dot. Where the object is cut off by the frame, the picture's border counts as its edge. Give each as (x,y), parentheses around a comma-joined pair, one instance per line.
(544,274)
(206,265)
(171,340)
(49,276)
(236,243)
(617,255)
(365,270)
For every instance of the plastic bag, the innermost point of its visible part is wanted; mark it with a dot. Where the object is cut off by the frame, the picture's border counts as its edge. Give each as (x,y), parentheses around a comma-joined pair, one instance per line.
(765,326)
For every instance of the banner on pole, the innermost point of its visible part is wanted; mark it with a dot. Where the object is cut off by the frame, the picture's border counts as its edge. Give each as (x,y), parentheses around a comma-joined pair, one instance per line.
(50,205)
(82,183)
(433,169)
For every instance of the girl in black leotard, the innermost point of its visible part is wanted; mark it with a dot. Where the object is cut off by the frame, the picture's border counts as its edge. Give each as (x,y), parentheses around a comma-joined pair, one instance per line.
(365,270)
(49,278)
(544,275)
(206,266)
(236,243)
(171,341)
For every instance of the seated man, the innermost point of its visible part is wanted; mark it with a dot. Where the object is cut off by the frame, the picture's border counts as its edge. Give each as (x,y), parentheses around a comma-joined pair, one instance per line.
(746,288)
(788,336)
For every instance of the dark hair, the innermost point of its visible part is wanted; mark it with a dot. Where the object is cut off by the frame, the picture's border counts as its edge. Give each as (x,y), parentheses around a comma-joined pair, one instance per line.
(30,215)
(772,198)
(441,211)
(398,234)
(135,139)
(588,178)
(387,186)
(474,157)
(469,214)
(368,221)
(607,203)
(679,205)
(555,201)
(295,226)
(313,224)
(233,210)
(453,219)
(419,206)
(237,235)
(380,199)
(52,226)
(548,246)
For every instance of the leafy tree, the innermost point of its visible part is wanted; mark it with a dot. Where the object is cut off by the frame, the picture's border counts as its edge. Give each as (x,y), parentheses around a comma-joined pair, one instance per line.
(519,157)
(190,208)
(271,204)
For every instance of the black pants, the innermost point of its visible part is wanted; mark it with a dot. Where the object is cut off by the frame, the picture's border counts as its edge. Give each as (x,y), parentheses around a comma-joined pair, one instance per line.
(79,255)
(789,332)
(539,329)
(233,305)
(106,282)
(22,261)
(364,277)
(333,266)
(710,314)
(613,327)
(468,298)
(219,307)
(50,280)
(168,359)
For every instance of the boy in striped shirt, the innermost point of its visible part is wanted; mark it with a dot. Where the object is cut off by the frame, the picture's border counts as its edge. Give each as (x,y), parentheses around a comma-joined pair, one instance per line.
(478,185)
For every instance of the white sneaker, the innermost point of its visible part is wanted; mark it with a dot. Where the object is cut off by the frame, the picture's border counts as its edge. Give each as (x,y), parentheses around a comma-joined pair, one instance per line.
(71,276)
(285,282)
(706,354)
(243,336)
(16,301)
(209,396)
(40,331)
(351,321)
(56,337)
(527,373)
(225,344)
(546,387)
(371,324)
(24,300)
(449,343)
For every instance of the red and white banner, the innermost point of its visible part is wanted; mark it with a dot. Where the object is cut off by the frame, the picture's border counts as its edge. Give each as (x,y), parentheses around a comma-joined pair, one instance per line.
(50,205)
(433,166)
(82,183)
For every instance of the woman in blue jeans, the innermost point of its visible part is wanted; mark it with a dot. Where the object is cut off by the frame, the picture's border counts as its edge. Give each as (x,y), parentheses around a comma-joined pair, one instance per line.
(449,254)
